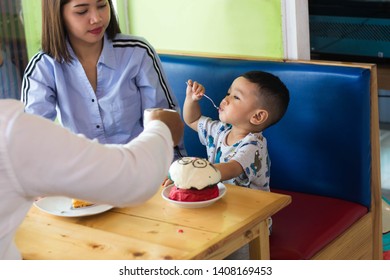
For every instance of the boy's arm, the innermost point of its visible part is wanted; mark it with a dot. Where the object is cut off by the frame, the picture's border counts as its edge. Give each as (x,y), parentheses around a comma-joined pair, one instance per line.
(229,170)
(191,108)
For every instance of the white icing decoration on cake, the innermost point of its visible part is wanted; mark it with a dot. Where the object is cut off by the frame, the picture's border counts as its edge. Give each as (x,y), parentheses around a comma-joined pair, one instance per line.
(192,172)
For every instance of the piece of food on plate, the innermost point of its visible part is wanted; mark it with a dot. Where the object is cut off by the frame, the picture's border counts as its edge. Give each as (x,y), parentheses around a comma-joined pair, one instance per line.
(194,179)
(78,203)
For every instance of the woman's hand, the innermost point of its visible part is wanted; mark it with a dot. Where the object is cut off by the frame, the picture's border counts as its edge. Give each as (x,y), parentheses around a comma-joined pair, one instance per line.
(172,119)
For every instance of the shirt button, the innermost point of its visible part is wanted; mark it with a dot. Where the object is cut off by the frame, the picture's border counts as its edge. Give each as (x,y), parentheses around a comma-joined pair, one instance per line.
(93,100)
(98,126)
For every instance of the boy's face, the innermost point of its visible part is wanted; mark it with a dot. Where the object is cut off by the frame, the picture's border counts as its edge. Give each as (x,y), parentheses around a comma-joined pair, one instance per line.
(240,103)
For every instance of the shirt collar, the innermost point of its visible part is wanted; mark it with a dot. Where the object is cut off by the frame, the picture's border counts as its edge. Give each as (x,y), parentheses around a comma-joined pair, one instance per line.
(107,57)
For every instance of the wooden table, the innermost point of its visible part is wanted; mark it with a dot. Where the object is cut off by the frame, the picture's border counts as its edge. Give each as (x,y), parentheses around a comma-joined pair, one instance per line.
(156,230)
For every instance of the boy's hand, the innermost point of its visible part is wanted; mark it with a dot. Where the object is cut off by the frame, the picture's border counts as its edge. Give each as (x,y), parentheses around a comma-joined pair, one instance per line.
(195,90)
(167,182)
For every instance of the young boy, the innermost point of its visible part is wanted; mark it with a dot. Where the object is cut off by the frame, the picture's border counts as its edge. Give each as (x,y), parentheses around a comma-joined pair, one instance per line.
(235,143)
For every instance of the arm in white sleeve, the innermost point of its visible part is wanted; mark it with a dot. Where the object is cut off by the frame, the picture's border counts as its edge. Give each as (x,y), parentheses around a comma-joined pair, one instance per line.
(49,160)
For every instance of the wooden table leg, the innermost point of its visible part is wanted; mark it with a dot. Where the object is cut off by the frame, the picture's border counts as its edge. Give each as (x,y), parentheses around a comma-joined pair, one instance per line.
(259,247)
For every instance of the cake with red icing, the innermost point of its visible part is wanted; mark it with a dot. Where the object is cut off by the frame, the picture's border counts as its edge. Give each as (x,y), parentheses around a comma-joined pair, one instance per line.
(195,179)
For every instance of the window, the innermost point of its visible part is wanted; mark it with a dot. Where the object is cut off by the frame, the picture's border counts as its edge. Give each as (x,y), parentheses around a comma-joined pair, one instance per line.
(13,51)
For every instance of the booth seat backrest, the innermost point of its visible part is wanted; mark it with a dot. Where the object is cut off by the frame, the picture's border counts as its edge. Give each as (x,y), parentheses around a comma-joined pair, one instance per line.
(322,144)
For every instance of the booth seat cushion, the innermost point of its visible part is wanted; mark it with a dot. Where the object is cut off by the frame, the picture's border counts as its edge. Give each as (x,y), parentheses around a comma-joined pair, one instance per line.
(309,223)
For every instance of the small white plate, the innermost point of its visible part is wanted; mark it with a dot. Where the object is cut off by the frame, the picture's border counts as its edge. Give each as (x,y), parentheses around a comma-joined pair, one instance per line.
(61,206)
(195,204)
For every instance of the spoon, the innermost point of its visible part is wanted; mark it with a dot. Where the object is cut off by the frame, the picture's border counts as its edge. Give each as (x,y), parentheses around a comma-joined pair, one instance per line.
(216,107)
(209,98)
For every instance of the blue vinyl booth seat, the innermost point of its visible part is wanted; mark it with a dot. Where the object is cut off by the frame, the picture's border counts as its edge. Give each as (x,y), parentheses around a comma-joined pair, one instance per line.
(324,152)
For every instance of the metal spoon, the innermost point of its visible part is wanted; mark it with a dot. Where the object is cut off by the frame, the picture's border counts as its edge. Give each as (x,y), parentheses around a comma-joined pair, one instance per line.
(211,101)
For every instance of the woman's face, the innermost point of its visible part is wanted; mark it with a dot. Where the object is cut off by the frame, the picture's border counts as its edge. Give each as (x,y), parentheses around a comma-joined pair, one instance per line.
(86,20)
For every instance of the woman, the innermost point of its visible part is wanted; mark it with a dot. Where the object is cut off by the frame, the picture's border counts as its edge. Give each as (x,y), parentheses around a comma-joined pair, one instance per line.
(96,79)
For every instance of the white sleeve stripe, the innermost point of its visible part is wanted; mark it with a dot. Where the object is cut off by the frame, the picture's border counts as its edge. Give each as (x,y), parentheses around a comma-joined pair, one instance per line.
(136,43)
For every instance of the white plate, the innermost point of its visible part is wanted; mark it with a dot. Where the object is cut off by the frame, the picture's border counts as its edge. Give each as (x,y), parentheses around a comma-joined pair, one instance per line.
(61,206)
(196,204)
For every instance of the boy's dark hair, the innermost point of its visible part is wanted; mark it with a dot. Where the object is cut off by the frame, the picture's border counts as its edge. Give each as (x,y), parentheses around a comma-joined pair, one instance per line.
(273,93)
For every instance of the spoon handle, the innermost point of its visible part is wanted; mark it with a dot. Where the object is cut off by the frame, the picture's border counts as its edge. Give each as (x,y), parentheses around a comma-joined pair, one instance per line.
(211,101)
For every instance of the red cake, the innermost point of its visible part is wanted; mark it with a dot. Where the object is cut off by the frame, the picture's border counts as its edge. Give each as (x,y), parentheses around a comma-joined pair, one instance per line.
(195,179)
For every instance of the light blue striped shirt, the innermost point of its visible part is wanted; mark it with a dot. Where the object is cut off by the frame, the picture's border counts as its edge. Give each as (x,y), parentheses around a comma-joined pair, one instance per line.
(129,79)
